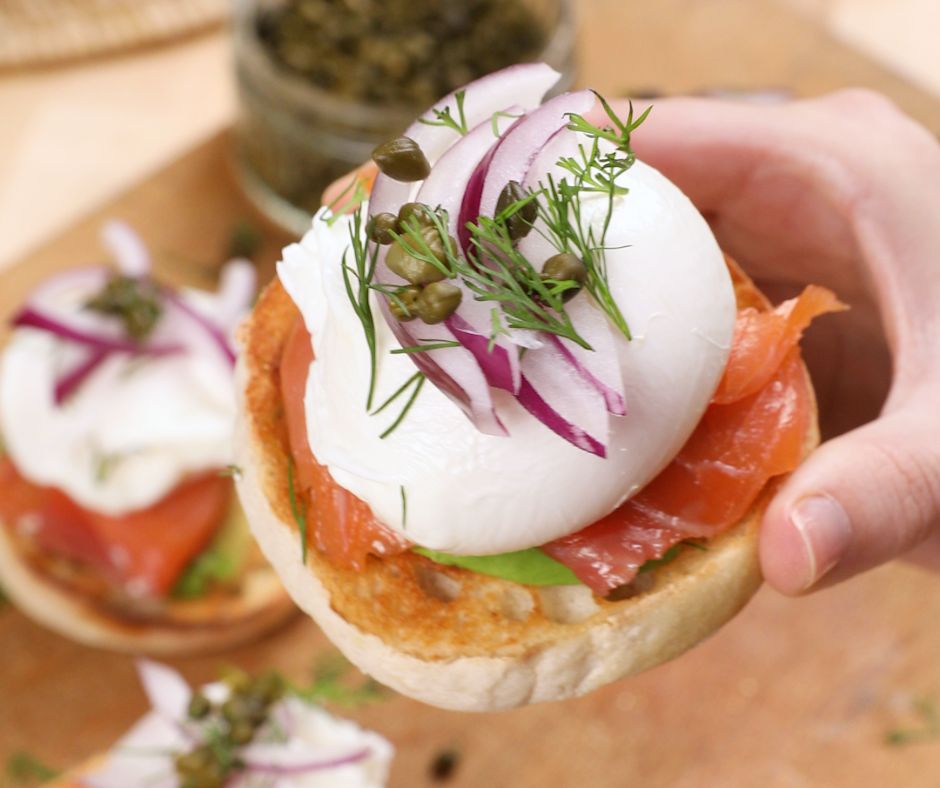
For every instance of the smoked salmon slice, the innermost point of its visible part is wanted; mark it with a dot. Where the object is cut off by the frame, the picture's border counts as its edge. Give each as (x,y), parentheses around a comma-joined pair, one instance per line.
(145,551)
(753,430)
(342,526)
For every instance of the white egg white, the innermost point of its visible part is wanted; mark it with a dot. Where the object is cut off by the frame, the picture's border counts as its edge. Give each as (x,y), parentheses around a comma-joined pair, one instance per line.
(130,433)
(476,494)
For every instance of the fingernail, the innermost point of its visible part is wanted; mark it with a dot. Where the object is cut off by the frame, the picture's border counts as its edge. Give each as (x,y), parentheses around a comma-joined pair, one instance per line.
(825,530)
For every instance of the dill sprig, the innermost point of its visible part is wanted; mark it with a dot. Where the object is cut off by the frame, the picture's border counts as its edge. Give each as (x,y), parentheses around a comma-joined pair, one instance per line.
(495,271)
(298,509)
(414,383)
(565,228)
(357,194)
(597,171)
(494,120)
(444,117)
(443,344)
(365,260)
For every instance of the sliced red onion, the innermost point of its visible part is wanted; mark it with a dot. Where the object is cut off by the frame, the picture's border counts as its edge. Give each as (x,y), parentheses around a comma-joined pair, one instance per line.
(281,761)
(238,283)
(599,366)
(71,380)
(519,147)
(470,325)
(212,330)
(167,691)
(462,380)
(29,317)
(565,403)
(130,254)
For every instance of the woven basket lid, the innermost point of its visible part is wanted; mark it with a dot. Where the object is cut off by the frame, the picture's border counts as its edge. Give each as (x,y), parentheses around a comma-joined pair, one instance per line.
(36,32)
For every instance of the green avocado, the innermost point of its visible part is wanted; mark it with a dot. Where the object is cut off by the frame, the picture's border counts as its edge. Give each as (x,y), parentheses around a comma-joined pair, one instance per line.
(527,567)
(221,561)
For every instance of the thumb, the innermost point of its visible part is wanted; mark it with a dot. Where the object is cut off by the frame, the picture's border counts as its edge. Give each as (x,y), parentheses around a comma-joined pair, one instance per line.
(860,500)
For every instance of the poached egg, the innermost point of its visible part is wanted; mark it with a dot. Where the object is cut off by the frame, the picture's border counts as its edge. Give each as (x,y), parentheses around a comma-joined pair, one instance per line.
(445,485)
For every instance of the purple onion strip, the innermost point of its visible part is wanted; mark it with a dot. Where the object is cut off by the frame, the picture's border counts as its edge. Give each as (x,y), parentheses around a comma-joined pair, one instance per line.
(613,399)
(70,382)
(311,766)
(214,332)
(30,317)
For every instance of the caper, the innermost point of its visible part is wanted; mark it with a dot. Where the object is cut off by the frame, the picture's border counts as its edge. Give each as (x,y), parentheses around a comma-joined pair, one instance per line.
(520,222)
(236,680)
(194,761)
(412,213)
(244,708)
(438,301)
(199,706)
(381,227)
(565,267)
(405,307)
(414,269)
(269,686)
(402,160)
(242,732)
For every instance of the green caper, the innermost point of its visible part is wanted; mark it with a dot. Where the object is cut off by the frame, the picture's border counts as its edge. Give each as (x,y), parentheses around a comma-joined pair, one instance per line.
(566,267)
(269,686)
(412,213)
(244,708)
(438,301)
(411,268)
(199,768)
(520,222)
(405,308)
(199,706)
(242,732)
(402,160)
(236,679)
(381,227)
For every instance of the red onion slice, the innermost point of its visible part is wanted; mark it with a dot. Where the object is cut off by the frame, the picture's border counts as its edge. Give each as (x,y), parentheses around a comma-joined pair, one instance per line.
(470,325)
(238,283)
(211,329)
(69,382)
(130,254)
(28,317)
(525,85)
(518,149)
(167,691)
(565,403)
(278,760)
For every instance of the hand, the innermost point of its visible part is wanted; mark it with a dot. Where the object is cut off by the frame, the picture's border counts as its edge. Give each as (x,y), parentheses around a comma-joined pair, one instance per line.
(843,191)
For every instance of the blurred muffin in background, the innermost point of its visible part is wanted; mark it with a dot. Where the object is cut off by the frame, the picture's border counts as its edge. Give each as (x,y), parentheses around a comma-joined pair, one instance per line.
(118,523)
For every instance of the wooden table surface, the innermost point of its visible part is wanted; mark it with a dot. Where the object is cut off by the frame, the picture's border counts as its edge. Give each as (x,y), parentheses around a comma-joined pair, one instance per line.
(791,693)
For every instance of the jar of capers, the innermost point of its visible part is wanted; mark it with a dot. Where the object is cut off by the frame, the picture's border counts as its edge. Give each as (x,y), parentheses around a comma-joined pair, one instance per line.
(322,82)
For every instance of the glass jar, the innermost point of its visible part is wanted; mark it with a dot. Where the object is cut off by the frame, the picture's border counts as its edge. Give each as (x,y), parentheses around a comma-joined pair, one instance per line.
(294,136)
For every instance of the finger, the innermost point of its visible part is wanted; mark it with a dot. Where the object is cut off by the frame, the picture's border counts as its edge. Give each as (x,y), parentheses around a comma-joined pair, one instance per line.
(860,500)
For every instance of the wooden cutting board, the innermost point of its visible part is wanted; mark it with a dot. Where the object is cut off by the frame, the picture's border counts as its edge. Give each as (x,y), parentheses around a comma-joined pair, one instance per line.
(791,693)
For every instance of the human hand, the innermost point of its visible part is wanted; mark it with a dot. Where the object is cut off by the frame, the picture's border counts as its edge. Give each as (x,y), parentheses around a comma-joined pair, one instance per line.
(843,191)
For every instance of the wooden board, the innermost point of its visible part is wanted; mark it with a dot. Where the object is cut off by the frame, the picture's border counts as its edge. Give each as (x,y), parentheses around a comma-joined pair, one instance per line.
(791,693)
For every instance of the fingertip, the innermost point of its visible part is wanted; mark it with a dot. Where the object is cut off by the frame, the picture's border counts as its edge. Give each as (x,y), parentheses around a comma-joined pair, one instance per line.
(802,540)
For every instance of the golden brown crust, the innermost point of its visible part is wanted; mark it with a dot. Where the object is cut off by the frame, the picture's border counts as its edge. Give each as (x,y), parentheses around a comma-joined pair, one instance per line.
(410,610)
(217,621)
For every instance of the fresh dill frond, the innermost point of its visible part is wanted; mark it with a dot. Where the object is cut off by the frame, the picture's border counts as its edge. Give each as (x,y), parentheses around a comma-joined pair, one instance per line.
(562,216)
(442,345)
(298,510)
(494,120)
(357,194)
(404,508)
(365,260)
(494,270)
(415,382)
(444,117)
